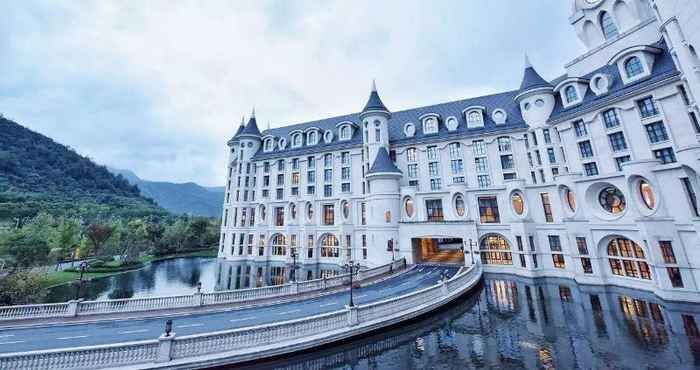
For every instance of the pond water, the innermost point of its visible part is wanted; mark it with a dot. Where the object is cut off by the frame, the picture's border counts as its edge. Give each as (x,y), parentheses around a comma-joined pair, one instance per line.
(507,323)
(181,275)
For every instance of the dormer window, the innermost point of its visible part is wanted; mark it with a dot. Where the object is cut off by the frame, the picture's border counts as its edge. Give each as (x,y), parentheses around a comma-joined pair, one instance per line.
(633,67)
(296,140)
(474,116)
(312,138)
(345,132)
(607,25)
(430,125)
(571,94)
(269,144)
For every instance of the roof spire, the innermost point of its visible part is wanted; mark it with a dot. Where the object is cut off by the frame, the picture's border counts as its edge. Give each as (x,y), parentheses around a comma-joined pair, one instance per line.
(252,115)
(268,124)
(374,85)
(527,62)
(374,103)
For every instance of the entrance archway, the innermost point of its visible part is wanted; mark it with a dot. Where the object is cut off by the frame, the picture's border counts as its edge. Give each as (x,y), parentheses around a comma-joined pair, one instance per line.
(437,250)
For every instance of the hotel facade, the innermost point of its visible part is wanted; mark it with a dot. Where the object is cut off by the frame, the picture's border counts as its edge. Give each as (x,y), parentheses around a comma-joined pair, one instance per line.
(591,176)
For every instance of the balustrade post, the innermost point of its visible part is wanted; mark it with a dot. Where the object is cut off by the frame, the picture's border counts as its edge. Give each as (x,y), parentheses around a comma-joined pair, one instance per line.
(443,287)
(165,347)
(295,287)
(353,319)
(198,299)
(324,283)
(72,310)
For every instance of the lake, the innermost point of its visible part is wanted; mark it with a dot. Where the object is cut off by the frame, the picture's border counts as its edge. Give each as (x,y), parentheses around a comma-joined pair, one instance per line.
(507,323)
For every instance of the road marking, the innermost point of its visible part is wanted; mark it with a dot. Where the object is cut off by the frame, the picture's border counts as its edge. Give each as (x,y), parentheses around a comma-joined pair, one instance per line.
(242,319)
(362,296)
(189,325)
(13,342)
(328,304)
(6,335)
(288,312)
(75,337)
(133,331)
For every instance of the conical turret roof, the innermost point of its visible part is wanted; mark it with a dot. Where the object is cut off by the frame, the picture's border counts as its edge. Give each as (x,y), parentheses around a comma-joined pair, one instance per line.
(383,164)
(374,103)
(251,128)
(532,79)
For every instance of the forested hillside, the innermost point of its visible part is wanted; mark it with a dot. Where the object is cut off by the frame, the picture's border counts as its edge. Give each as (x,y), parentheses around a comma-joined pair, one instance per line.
(39,175)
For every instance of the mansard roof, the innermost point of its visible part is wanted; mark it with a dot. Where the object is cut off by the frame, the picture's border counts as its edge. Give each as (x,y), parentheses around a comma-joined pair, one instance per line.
(663,69)
(383,164)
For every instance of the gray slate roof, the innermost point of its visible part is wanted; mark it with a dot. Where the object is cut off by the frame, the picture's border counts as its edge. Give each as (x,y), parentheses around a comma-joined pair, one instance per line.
(383,164)
(251,128)
(374,103)
(532,80)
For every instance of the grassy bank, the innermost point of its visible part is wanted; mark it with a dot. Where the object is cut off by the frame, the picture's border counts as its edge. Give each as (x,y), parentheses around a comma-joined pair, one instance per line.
(62,277)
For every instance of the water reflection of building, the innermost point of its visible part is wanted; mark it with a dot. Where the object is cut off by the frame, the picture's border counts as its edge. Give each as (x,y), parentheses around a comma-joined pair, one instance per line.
(250,274)
(529,324)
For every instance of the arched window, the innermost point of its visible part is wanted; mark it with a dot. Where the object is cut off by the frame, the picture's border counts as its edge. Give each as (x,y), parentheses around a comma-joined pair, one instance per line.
(330,246)
(279,245)
(627,259)
(430,126)
(296,140)
(633,67)
(345,133)
(571,94)
(311,138)
(607,25)
(474,118)
(268,145)
(495,250)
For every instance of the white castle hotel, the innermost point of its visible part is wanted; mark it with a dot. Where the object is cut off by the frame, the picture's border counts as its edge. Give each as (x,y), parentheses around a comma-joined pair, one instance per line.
(592,175)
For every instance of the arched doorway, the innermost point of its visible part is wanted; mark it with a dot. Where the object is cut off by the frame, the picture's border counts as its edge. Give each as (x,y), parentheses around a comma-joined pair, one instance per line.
(278,242)
(495,250)
(330,246)
(627,258)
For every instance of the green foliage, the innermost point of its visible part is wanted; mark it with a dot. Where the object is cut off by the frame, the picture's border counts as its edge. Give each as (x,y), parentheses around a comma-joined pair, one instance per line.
(22,287)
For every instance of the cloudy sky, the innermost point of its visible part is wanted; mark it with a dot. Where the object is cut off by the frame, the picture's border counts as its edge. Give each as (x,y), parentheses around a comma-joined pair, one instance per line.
(158,87)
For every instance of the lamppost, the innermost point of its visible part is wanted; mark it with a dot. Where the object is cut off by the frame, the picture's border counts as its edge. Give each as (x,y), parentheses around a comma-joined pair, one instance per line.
(83,267)
(199,287)
(293,273)
(352,267)
(168,327)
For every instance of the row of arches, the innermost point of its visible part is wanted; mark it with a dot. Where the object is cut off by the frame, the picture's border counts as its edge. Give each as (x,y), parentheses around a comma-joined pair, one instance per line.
(328,242)
(625,257)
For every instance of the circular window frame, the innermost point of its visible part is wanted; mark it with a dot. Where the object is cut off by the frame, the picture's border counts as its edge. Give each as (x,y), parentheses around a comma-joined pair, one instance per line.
(527,106)
(282,143)
(451,123)
(464,206)
(600,77)
(524,213)
(262,213)
(328,136)
(409,129)
(636,187)
(310,207)
(564,192)
(293,211)
(345,206)
(413,205)
(496,119)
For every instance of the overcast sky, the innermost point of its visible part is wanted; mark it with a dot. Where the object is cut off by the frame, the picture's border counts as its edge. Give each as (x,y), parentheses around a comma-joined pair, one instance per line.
(158,87)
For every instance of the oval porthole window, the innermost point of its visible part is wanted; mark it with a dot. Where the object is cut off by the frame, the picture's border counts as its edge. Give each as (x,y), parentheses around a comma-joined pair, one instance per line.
(527,106)
(408,207)
(539,102)
(518,203)
(262,213)
(459,205)
(612,200)
(293,211)
(570,199)
(346,209)
(647,194)
(310,211)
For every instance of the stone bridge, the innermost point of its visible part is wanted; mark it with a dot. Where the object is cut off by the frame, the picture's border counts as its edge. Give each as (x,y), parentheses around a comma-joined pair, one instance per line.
(250,331)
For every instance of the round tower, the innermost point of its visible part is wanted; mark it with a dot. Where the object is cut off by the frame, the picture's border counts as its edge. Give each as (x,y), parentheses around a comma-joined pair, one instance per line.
(375,128)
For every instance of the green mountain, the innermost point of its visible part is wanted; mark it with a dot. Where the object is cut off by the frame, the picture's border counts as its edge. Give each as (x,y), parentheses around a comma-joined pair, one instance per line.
(38,174)
(188,197)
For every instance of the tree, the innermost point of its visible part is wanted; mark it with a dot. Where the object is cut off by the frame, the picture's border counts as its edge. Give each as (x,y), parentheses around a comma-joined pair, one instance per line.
(98,234)
(133,240)
(65,237)
(21,287)
(198,230)
(25,249)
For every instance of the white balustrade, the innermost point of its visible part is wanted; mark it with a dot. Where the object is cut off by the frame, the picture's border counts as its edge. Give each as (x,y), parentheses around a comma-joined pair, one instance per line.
(238,340)
(68,309)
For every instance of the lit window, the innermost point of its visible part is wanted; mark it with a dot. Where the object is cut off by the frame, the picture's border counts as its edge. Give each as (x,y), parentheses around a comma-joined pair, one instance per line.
(570,199)
(488,210)
(459,205)
(495,250)
(612,200)
(627,258)
(518,203)
(408,207)
(434,210)
(647,194)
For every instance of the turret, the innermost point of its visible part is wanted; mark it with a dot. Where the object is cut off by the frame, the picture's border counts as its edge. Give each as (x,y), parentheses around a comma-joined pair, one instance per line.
(535,97)
(375,125)
(383,199)
(249,139)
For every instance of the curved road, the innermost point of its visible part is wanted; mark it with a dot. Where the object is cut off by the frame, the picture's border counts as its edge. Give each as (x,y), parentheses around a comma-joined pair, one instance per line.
(108,332)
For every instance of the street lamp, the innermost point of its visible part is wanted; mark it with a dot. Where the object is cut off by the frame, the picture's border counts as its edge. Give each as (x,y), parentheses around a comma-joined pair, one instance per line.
(168,327)
(199,287)
(294,266)
(83,267)
(352,267)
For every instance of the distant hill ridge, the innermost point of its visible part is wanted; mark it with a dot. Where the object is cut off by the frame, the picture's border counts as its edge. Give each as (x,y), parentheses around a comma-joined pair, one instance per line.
(188,197)
(38,174)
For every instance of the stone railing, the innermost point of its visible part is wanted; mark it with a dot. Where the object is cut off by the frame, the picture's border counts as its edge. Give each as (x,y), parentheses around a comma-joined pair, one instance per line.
(250,343)
(84,308)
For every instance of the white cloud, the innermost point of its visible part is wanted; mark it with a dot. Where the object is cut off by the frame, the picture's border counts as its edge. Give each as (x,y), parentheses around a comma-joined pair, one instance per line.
(158,87)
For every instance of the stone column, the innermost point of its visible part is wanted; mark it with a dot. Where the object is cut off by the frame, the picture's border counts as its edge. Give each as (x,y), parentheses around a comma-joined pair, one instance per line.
(165,347)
